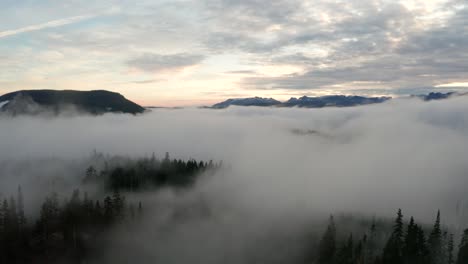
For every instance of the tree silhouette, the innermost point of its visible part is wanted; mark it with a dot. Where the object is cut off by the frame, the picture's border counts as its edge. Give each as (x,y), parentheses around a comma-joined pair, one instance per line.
(393,250)
(327,246)
(435,242)
(463,249)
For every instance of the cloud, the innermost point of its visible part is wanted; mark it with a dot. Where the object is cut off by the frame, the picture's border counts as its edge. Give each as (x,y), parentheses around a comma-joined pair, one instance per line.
(270,162)
(277,183)
(242,72)
(362,41)
(145,81)
(150,62)
(50,24)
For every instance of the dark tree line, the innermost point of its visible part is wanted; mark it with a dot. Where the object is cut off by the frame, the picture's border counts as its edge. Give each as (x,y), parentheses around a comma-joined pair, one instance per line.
(407,244)
(66,230)
(150,172)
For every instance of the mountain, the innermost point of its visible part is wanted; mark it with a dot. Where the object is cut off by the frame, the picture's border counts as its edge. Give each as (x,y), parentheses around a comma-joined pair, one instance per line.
(436,96)
(327,101)
(253,101)
(333,100)
(305,101)
(55,101)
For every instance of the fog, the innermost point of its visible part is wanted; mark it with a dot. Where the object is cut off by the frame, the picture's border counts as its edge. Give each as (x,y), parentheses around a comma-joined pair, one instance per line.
(284,166)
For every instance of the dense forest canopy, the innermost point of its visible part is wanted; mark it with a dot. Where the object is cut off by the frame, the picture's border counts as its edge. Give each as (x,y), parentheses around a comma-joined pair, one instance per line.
(73,228)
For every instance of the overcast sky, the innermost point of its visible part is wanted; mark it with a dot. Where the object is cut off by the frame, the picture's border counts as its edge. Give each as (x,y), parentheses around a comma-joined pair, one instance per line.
(192,52)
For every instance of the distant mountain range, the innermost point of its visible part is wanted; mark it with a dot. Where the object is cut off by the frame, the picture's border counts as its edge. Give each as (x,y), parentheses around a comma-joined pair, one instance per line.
(101,101)
(55,101)
(322,101)
(253,101)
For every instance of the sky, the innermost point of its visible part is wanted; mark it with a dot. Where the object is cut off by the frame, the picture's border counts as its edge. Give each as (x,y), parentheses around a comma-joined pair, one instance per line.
(198,52)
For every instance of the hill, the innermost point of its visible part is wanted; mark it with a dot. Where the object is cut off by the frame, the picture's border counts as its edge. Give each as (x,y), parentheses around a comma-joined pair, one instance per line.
(55,101)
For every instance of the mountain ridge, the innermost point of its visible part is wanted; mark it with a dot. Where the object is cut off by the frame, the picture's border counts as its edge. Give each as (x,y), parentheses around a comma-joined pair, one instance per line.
(324,101)
(93,102)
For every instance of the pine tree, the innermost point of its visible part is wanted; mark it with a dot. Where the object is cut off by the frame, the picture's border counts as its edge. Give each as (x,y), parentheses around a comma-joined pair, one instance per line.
(422,250)
(118,202)
(91,174)
(13,215)
(450,248)
(393,249)
(463,249)
(5,216)
(345,253)
(327,246)
(20,209)
(360,252)
(435,242)
(444,247)
(108,209)
(410,248)
(371,244)
(140,209)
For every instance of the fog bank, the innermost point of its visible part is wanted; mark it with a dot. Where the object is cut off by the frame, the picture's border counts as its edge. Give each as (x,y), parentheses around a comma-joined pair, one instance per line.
(283,165)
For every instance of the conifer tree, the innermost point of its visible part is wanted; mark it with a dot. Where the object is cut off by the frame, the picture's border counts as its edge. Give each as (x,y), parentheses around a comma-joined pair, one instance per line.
(371,244)
(392,253)
(463,249)
(118,204)
(410,248)
(422,250)
(450,248)
(20,209)
(140,209)
(345,253)
(108,209)
(327,246)
(359,251)
(435,242)
(5,216)
(13,215)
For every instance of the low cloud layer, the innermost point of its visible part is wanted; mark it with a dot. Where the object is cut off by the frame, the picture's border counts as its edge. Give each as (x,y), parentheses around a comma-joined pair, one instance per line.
(284,168)
(370,159)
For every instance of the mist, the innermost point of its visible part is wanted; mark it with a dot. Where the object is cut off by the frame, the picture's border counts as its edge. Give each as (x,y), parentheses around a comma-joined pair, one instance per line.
(286,169)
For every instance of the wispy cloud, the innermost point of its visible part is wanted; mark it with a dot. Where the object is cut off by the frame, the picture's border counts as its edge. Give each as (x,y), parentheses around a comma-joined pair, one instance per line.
(50,24)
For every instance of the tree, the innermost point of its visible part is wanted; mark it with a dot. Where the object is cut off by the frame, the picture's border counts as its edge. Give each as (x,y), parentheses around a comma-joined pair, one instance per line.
(49,216)
(463,249)
(450,248)
(118,204)
(20,209)
(140,209)
(346,255)
(393,250)
(108,209)
(327,246)
(371,245)
(435,242)
(91,173)
(410,248)
(423,251)
(5,216)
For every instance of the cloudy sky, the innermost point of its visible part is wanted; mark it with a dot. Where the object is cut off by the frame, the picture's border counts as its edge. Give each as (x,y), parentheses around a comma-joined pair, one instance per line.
(194,52)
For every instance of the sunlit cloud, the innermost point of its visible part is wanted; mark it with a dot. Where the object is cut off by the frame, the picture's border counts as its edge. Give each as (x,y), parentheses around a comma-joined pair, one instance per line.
(252,47)
(454,84)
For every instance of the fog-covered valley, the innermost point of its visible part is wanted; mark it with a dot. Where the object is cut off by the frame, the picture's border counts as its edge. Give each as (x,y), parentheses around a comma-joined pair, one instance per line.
(281,174)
